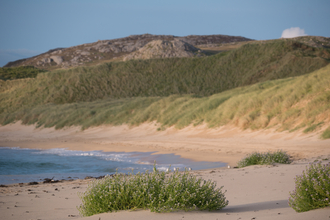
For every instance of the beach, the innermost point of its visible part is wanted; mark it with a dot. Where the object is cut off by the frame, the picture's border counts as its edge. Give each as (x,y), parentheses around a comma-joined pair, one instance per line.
(255,192)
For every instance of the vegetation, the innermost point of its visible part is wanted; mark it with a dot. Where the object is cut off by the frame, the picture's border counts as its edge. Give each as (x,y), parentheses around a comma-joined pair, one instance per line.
(9,73)
(182,91)
(206,76)
(264,159)
(326,133)
(287,104)
(157,191)
(313,127)
(312,189)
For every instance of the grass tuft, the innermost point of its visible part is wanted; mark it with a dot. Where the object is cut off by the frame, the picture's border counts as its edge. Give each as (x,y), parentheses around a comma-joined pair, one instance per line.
(264,159)
(313,127)
(326,133)
(157,191)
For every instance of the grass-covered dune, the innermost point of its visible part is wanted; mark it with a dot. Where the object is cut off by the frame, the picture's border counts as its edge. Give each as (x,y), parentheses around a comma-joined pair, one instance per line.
(182,91)
(293,103)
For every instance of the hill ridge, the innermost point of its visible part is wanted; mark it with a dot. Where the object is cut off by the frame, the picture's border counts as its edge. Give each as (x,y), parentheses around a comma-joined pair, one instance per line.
(103,50)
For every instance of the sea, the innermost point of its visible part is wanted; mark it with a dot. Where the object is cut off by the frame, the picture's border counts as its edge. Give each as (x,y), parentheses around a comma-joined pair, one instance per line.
(22,165)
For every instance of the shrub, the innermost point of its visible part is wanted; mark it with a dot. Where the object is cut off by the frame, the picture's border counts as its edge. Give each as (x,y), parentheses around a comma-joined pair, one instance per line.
(264,158)
(157,191)
(312,188)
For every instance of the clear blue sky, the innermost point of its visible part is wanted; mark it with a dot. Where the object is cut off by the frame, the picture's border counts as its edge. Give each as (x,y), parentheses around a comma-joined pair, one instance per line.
(31,27)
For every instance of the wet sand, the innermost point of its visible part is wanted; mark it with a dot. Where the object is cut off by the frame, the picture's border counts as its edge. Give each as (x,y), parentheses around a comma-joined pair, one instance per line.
(226,144)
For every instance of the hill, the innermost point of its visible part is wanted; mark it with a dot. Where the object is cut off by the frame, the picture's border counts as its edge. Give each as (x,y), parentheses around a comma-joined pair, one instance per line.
(113,50)
(249,64)
(173,91)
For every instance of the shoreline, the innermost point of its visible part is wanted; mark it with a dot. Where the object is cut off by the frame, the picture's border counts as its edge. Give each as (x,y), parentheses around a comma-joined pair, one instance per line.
(225,144)
(254,192)
(99,164)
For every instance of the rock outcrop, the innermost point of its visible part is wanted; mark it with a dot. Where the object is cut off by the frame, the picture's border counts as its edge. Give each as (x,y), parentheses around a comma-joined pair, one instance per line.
(46,60)
(165,49)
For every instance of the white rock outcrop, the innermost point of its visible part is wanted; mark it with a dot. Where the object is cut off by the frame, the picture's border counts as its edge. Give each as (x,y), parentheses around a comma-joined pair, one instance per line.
(165,49)
(57,59)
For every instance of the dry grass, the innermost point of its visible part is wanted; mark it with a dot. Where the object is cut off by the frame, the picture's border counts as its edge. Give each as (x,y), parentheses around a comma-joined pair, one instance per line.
(182,91)
(263,105)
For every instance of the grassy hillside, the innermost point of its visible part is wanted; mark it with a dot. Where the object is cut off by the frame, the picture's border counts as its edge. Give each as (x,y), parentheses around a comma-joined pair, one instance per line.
(287,104)
(247,65)
(181,91)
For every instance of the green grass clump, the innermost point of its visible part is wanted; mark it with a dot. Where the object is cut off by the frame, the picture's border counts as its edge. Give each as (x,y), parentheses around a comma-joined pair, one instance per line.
(10,73)
(264,158)
(326,133)
(157,191)
(313,127)
(312,189)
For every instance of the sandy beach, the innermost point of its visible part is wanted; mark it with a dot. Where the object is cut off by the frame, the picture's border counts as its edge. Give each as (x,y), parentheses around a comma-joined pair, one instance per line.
(256,192)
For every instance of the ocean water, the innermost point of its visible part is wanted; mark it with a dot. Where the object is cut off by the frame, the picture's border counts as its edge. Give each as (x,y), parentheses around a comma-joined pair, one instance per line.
(22,165)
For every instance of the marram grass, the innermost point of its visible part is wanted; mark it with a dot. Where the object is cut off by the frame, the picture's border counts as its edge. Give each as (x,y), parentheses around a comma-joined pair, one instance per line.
(156,191)
(264,159)
(288,104)
(326,133)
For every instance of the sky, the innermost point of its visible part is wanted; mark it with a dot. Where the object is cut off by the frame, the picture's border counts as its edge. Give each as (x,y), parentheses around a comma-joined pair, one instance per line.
(31,27)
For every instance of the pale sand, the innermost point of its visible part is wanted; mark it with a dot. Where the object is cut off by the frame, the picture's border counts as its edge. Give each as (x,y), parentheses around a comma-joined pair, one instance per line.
(259,192)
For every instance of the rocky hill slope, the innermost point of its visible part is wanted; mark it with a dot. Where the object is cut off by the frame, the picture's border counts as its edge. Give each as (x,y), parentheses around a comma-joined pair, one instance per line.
(165,49)
(107,50)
